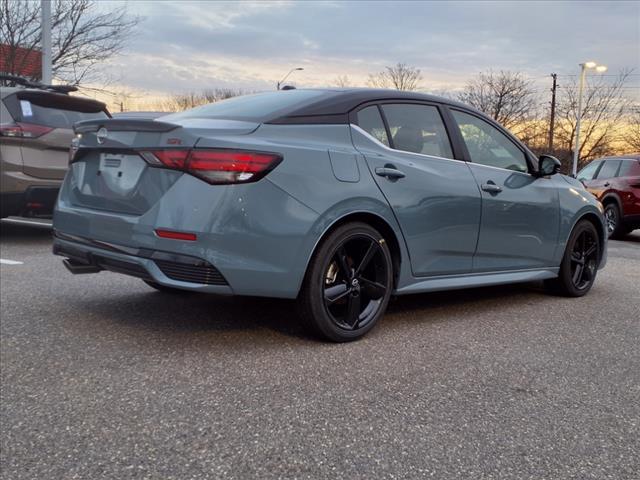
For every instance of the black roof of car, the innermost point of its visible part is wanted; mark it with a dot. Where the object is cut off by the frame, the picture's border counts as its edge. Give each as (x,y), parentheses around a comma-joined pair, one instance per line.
(339,102)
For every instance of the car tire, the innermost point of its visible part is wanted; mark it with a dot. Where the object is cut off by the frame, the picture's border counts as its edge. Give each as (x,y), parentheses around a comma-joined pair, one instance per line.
(348,283)
(613,220)
(165,289)
(580,262)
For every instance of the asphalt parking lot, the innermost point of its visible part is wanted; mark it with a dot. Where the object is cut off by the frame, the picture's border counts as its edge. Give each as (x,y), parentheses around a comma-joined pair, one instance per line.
(102,377)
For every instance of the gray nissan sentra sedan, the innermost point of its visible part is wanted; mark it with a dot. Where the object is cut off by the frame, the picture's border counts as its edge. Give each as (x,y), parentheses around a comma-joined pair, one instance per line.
(339,198)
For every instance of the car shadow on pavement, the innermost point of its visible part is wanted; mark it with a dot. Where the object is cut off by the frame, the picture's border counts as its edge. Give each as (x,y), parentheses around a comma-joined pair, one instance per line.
(23,234)
(632,237)
(481,299)
(199,313)
(194,313)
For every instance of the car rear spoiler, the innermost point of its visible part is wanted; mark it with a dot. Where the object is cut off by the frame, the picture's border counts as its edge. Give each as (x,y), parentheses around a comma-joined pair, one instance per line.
(124,125)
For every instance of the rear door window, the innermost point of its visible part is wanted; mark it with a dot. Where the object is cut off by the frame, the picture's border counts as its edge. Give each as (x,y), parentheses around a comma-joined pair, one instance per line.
(370,121)
(418,129)
(627,168)
(609,169)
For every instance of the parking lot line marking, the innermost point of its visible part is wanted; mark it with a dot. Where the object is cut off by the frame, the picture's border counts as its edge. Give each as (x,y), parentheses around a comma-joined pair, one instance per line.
(10,262)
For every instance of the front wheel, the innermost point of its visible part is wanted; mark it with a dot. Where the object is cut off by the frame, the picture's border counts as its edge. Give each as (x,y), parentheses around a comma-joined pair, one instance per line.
(580,262)
(348,283)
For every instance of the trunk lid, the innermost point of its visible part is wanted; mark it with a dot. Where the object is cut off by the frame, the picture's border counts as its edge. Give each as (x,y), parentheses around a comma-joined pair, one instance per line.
(108,171)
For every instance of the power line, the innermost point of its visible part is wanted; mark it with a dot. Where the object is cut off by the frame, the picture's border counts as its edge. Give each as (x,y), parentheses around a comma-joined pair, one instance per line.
(601,75)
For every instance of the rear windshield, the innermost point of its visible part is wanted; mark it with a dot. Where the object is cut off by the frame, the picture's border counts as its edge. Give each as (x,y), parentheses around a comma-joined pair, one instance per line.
(53,117)
(53,110)
(260,107)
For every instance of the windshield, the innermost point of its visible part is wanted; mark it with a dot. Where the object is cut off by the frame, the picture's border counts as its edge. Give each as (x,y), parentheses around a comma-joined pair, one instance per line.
(258,108)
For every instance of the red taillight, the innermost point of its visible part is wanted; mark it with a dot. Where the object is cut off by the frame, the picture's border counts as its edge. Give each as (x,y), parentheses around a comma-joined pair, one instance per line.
(172,234)
(216,166)
(172,158)
(23,130)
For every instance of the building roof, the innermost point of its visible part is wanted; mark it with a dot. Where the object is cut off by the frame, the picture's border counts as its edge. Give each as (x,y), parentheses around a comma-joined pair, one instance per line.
(20,61)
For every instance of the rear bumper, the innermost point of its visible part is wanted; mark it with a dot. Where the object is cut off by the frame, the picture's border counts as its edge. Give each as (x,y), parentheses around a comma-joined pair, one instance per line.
(34,201)
(257,235)
(168,269)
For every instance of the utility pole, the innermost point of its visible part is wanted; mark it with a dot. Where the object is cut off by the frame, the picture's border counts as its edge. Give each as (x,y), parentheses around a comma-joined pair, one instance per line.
(552,120)
(46,41)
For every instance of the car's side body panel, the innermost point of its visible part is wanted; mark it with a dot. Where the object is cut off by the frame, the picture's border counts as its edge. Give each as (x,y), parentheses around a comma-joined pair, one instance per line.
(437,205)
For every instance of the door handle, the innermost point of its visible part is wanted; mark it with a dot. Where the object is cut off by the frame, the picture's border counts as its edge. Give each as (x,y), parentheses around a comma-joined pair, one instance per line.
(491,187)
(389,172)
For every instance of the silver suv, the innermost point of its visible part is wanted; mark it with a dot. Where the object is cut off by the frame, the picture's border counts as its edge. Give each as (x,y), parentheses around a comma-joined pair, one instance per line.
(35,133)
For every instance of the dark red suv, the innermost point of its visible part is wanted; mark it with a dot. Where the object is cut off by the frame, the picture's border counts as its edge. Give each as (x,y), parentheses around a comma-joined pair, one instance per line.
(616,183)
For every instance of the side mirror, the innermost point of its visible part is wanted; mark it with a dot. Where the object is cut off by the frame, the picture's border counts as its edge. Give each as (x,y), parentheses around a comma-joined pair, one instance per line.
(548,165)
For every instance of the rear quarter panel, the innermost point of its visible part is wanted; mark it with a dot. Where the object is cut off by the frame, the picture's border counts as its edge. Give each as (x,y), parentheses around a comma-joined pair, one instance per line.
(310,173)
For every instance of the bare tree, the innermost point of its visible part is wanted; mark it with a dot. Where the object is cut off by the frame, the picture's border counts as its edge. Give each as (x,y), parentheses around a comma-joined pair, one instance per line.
(216,94)
(342,81)
(505,96)
(604,109)
(183,101)
(400,76)
(82,36)
(631,135)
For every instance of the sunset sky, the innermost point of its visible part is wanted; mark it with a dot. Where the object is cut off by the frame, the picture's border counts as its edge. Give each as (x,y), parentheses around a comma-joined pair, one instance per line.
(193,45)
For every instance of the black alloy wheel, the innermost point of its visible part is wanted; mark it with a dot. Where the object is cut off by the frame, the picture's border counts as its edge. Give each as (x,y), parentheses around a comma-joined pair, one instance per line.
(584,259)
(580,262)
(355,282)
(348,283)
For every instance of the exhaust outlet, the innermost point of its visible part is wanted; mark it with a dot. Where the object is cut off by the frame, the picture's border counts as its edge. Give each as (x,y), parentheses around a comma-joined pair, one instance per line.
(78,268)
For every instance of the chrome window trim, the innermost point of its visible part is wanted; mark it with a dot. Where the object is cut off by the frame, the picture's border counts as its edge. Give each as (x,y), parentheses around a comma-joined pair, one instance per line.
(502,169)
(380,144)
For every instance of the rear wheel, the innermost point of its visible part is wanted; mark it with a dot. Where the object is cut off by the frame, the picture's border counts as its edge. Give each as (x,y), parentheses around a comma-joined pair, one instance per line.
(613,220)
(348,283)
(580,262)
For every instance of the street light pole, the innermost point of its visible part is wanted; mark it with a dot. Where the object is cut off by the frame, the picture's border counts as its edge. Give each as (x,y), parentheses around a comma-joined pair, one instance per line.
(583,74)
(576,150)
(285,77)
(46,41)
